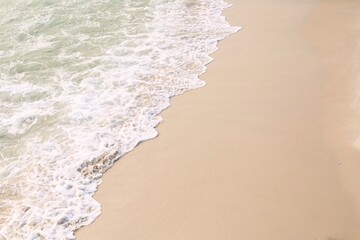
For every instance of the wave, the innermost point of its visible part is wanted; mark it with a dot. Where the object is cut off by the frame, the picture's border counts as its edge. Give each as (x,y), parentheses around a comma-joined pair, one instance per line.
(82,83)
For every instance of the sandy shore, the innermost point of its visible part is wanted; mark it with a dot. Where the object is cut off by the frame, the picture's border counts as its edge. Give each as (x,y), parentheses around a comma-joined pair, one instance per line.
(268,150)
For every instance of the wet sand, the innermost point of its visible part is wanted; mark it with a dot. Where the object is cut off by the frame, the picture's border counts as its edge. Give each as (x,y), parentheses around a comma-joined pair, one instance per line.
(268,150)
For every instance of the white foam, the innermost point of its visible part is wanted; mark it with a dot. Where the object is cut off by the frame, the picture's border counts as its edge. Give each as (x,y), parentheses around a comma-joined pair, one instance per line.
(98,91)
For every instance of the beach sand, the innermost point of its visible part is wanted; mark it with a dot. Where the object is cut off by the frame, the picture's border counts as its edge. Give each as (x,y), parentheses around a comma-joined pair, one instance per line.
(268,150)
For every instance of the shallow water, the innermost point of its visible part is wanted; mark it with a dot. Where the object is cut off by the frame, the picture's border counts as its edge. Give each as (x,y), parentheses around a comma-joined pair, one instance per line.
(81,84)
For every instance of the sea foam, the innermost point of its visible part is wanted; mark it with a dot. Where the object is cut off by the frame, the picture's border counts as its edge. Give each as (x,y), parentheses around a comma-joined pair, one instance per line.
(81,84)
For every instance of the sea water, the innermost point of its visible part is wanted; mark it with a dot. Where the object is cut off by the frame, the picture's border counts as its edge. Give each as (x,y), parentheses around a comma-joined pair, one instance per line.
(82,83)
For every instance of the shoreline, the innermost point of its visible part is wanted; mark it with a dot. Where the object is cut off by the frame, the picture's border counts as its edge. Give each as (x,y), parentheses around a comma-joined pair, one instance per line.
(264,149)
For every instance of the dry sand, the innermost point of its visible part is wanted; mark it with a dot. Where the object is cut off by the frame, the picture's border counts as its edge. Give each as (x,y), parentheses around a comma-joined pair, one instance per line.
(268,150)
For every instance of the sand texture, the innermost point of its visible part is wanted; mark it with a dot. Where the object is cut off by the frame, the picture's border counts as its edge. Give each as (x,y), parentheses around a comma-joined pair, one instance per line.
(268,150)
